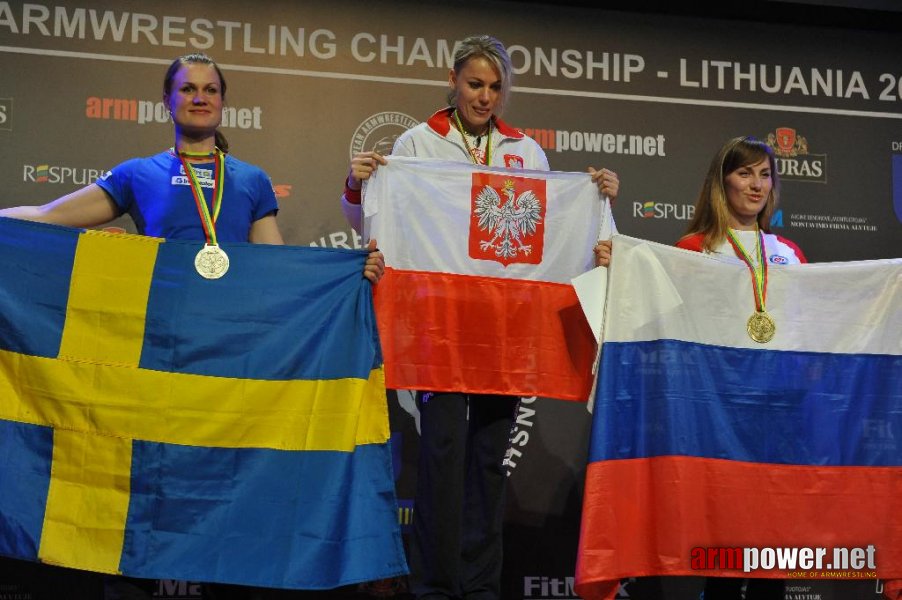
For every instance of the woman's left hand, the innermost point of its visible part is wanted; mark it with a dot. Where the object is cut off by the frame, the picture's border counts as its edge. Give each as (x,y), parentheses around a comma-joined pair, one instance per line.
(607,181)
(375,263)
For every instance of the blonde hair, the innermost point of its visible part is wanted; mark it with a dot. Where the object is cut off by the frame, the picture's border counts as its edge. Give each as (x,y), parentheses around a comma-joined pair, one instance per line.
(491,49)
(712,212)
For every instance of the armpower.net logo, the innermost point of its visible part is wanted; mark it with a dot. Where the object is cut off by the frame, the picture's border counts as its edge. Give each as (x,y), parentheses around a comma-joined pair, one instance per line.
(800,562)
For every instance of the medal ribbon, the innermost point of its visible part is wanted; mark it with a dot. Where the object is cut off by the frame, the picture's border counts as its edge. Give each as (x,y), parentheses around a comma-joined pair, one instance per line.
(759,272)
(207,221)
(488,141)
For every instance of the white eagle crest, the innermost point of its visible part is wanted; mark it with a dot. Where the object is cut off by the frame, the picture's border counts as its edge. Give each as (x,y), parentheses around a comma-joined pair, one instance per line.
(510,221)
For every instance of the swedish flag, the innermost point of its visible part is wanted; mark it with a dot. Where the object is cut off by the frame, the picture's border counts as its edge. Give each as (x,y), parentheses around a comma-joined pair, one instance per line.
(157,424)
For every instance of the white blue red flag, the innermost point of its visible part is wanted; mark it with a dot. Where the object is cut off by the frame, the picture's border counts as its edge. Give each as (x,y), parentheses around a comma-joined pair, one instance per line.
(705,439)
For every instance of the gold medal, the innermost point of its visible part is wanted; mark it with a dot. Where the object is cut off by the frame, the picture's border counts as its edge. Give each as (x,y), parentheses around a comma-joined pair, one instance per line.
(761,327)
(211,262)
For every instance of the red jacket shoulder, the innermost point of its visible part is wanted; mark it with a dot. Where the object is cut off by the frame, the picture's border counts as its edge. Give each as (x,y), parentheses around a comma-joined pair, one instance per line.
(691,242)
(795,248)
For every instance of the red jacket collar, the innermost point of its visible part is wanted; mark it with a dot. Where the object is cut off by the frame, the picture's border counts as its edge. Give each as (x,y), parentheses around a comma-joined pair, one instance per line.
(440,122)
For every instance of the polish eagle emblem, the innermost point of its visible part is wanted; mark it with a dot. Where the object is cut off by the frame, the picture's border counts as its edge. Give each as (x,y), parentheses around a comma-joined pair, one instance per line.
(509,220)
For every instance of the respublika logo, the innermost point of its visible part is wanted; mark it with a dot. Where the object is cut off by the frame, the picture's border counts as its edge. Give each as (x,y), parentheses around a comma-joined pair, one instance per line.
(794,161)
(46,173)
(378,132)
(6,114)
(148,111)
(663,210)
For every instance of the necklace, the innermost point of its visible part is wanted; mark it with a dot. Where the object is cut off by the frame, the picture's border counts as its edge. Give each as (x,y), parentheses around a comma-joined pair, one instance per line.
(474,152)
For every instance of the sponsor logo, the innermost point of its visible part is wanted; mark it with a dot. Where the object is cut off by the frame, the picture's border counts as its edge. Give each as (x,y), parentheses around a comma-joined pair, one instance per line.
(148,111)
(6,114)
(205,177)
(520,433)
(663,210)
(45,173)
(877,434)
(622,590)
(776,219)
(801,592)
(785,142)
(794,161)
(378,132)
(350,240)
(172,589)
(536,587)
(14,591)
(560,140)
(834,222)
(881,429)
(778,260)
(507,219)
(282,190)
(539,587)
(845,563)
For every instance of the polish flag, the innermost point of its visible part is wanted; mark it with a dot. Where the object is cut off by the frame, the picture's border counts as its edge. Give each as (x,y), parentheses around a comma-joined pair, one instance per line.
(476,296)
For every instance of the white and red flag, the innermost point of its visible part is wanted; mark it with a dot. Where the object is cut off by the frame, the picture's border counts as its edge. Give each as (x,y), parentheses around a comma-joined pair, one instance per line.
(477,296)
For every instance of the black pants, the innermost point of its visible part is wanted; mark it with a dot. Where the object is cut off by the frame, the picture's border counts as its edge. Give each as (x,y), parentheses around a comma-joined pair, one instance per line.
(456,549)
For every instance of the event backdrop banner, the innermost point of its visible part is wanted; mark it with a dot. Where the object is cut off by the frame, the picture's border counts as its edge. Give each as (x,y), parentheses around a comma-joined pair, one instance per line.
(309,83)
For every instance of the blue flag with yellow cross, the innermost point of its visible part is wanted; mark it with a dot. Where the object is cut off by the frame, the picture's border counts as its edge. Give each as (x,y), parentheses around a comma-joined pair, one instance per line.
(161,425)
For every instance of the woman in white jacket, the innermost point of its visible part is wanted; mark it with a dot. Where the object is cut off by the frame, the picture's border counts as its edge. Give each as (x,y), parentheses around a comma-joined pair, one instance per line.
(458,514)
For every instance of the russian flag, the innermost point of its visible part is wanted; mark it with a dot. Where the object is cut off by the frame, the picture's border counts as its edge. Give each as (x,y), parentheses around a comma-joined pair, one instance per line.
(161,425)
(477,295)
(704,438)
